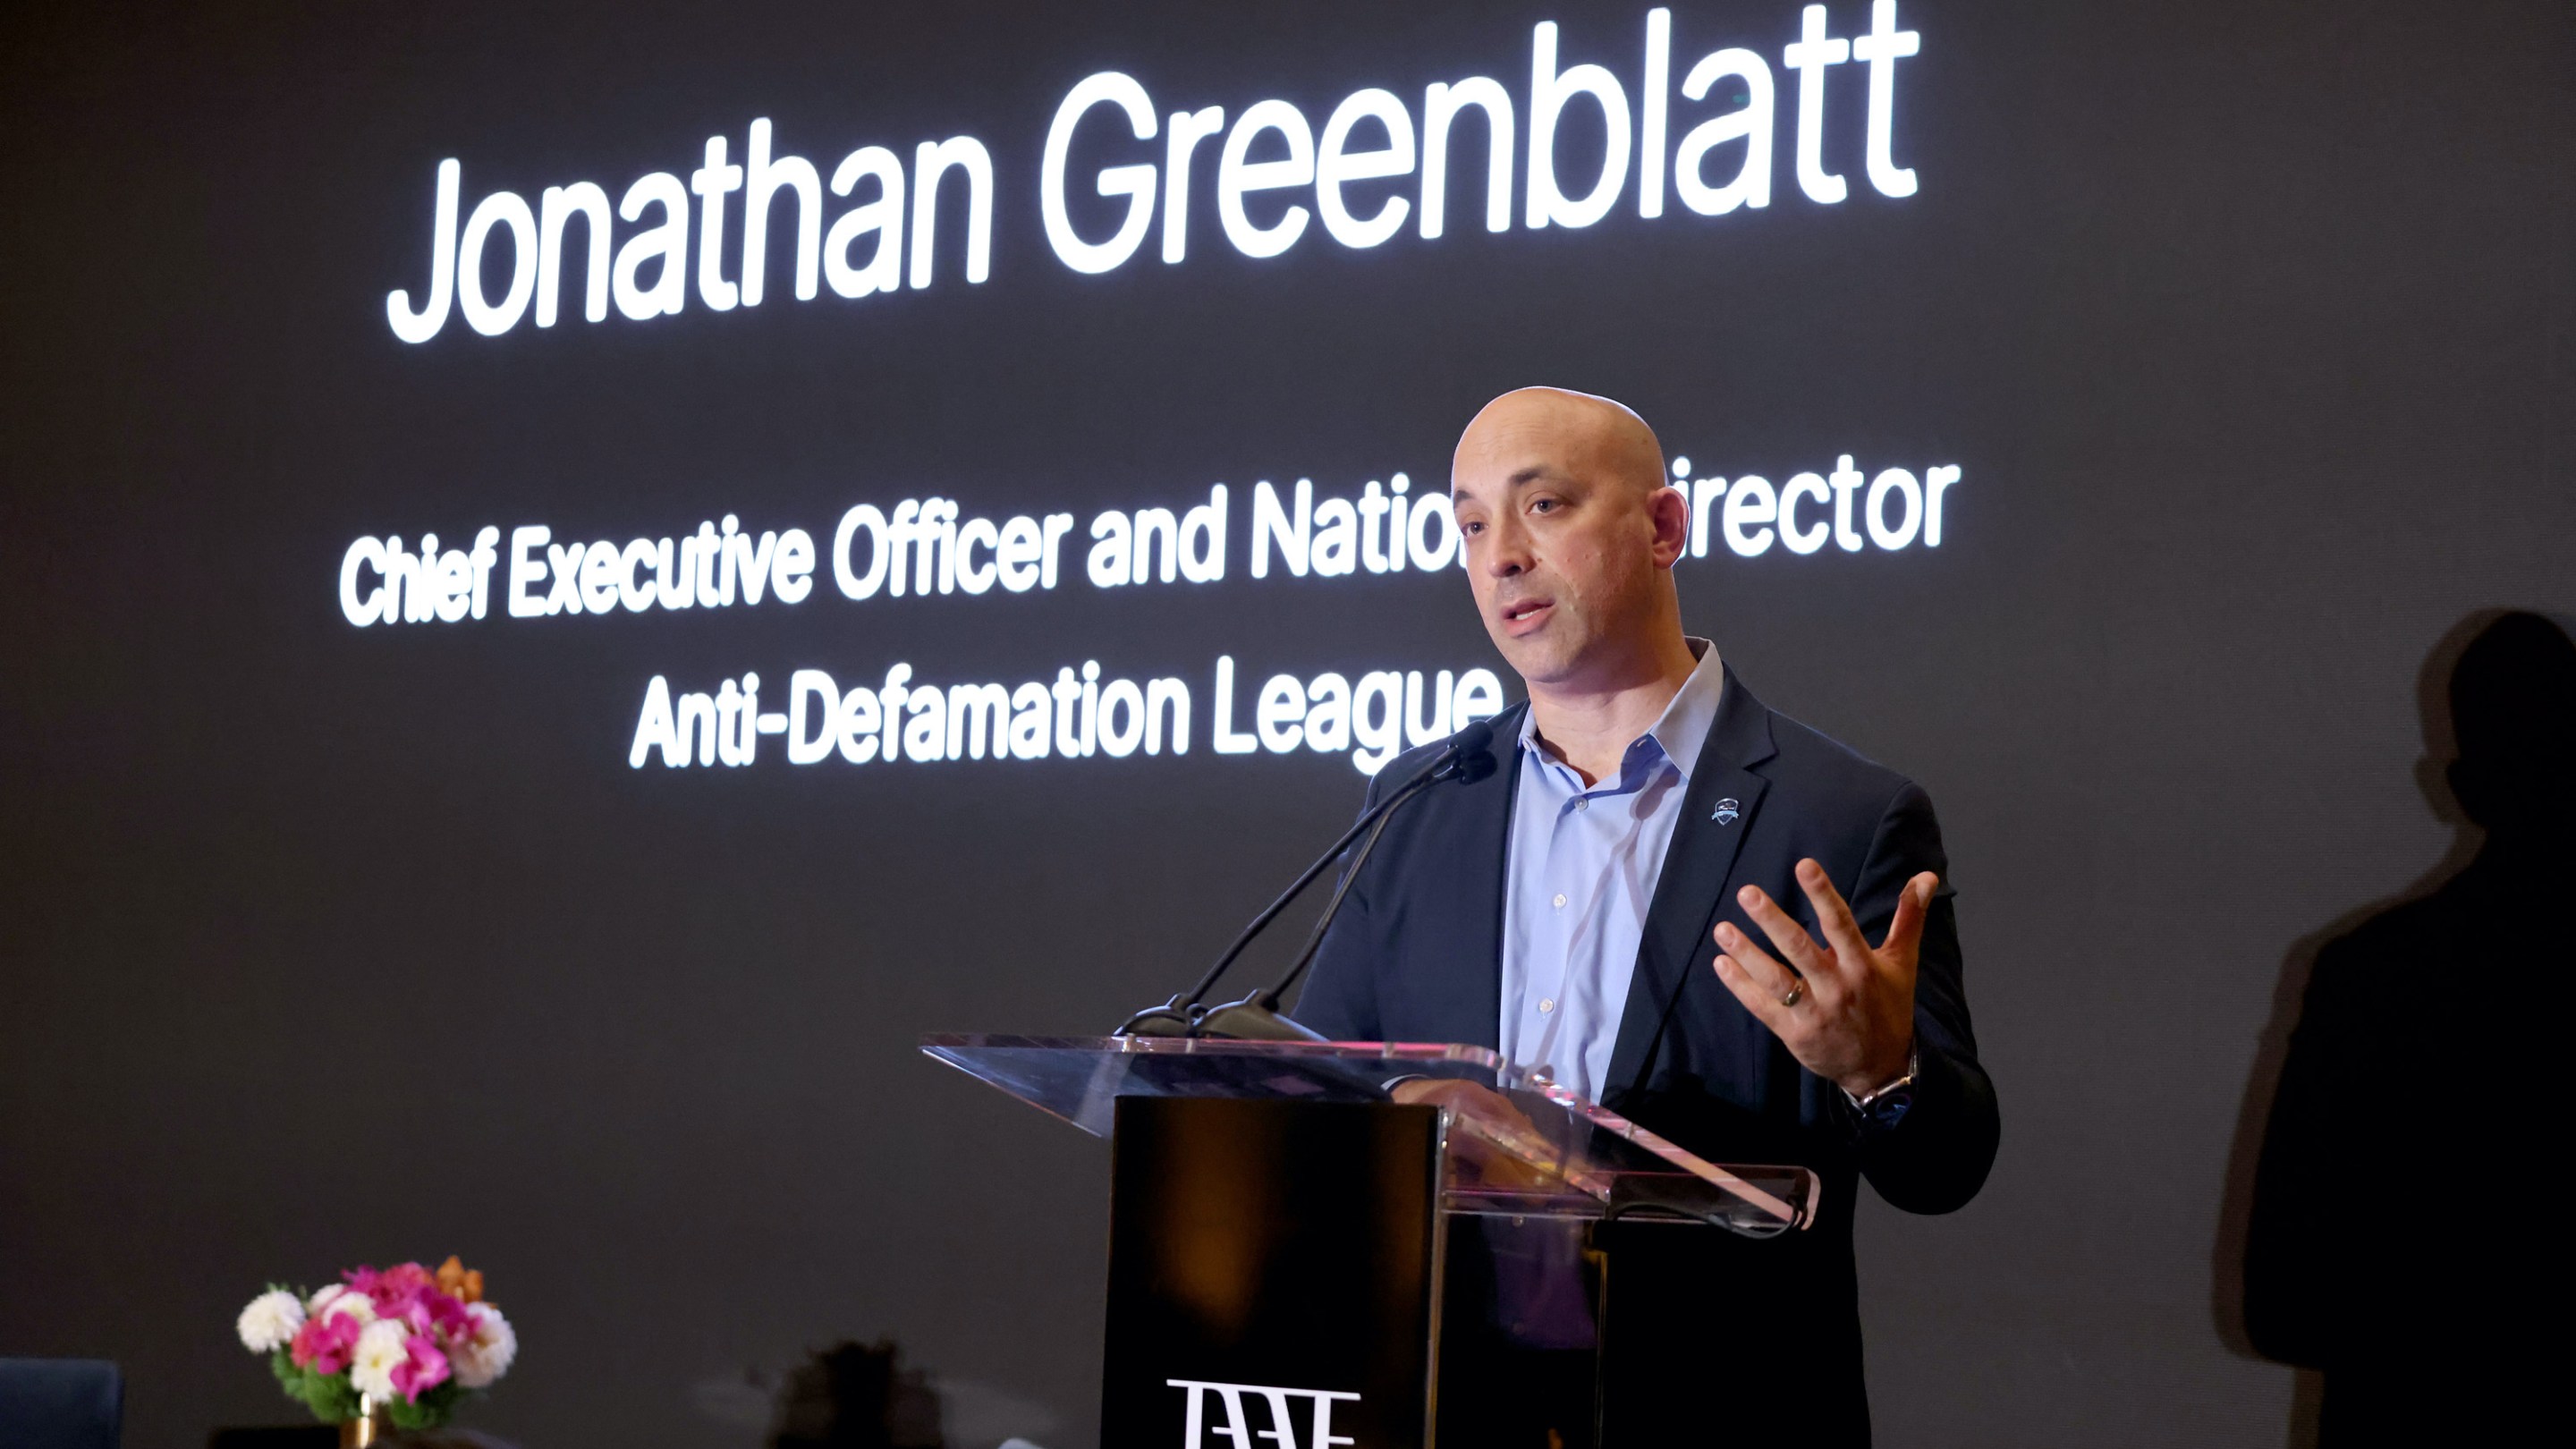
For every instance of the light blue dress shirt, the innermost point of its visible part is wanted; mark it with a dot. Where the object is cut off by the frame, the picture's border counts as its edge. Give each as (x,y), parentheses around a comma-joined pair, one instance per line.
(1582,870)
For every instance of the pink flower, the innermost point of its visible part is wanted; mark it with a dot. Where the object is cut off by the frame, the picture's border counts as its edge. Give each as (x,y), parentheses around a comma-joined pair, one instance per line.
(447,1314)
(392,1290)
(424,1367)
(324,1344)
(427,1310)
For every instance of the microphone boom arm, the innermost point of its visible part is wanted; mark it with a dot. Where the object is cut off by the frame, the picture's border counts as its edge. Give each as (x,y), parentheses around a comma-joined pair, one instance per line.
(1468,756)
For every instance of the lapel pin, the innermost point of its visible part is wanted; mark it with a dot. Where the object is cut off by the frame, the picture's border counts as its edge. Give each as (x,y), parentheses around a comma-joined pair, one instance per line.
(1725,813)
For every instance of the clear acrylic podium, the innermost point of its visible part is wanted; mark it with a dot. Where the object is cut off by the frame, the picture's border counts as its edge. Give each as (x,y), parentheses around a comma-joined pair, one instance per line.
(1300,1259)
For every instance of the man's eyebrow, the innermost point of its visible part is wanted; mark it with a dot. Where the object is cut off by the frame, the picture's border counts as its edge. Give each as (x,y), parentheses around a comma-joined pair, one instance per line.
(1521,477)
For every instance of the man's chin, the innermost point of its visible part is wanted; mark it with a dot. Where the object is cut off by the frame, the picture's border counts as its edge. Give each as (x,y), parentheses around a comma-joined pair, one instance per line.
(1540,663)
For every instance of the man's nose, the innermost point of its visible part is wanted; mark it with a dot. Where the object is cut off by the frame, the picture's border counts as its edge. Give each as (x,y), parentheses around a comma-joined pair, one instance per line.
(1507,550)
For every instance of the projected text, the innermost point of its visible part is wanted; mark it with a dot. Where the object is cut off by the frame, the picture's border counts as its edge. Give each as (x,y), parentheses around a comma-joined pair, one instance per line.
(1379,163)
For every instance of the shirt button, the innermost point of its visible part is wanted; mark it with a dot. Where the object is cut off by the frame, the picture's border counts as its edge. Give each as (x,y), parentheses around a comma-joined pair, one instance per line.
(1582,802)
(1547,1004)
(1559,902)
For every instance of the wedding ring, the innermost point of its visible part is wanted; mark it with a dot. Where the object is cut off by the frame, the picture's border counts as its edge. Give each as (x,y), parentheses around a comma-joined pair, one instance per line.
(1797,993)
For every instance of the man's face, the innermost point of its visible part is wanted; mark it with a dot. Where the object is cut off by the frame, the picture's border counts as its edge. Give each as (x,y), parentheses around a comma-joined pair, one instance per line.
(1557,499)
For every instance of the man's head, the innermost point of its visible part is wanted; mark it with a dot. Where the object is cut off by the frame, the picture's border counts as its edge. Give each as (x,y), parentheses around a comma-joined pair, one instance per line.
(1571,533)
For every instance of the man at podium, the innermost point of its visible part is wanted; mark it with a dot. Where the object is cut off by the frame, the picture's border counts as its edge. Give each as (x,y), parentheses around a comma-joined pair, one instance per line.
(1703,914)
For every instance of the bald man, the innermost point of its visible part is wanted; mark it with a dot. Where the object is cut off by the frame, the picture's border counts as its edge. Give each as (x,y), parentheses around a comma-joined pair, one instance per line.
(1676,902)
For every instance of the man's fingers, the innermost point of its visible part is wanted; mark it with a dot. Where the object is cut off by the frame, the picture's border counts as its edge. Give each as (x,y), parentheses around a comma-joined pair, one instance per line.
(1913,908)
(1756,963)
(1787,936)
(1757,995)
(1767,977)
(1832,915)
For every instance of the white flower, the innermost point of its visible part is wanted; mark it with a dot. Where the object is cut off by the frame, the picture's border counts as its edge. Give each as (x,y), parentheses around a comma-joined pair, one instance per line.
(485,1352)
(383,1346)
(338,1300)
(270,1321)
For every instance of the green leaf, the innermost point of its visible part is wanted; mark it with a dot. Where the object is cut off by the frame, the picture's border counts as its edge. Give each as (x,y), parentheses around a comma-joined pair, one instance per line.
(327,1395)
(432,1410)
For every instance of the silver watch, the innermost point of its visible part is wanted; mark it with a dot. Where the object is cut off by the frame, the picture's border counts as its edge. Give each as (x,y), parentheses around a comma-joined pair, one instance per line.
(1888,1103)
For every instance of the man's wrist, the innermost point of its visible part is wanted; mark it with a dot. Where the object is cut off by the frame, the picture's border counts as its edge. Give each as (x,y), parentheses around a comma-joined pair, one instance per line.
(1886,1104)
(1860,1088)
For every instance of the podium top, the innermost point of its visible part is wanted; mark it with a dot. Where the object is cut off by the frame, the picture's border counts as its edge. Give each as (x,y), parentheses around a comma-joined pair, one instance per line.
(1522,1146)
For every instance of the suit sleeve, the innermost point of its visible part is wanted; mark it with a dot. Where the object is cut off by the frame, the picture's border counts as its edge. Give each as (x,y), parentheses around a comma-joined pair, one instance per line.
(1936,1157)
(1340,999)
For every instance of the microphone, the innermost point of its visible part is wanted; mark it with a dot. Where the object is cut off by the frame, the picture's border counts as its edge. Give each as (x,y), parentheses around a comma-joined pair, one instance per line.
(1248,1018)
(1468,757)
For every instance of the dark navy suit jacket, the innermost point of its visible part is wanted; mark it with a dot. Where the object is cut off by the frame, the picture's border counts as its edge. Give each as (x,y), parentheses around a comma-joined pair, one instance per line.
(1416,955)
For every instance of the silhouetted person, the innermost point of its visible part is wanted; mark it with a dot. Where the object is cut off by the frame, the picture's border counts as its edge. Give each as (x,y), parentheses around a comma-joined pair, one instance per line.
(2401,1217)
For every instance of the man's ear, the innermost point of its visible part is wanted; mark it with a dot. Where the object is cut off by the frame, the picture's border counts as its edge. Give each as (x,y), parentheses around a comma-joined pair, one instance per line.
(1670,509)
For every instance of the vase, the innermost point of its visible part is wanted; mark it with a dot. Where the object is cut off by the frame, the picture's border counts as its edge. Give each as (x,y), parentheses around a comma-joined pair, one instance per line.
(370,1427)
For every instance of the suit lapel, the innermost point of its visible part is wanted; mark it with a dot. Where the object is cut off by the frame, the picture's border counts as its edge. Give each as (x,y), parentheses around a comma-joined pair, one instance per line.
(1718,812)
(1465,999)
(1489,847)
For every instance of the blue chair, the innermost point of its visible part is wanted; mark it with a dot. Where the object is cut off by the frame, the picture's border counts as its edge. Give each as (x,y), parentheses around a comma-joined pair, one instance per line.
(60,1403)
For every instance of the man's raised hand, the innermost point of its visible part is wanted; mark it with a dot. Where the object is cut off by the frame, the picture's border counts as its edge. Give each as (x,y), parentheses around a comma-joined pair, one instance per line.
(1846,1011)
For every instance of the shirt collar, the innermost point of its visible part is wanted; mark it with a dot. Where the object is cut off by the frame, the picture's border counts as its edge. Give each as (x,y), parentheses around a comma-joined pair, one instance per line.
(1682,729)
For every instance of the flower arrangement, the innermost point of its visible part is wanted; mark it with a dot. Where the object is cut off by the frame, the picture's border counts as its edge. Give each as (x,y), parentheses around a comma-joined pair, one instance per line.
(404,1340)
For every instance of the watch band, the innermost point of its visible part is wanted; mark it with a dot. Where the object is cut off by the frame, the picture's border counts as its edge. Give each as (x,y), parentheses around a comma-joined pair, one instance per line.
(1913,1064)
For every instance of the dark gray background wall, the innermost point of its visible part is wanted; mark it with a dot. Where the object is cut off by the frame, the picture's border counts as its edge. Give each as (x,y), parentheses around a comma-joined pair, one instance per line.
(2249,324)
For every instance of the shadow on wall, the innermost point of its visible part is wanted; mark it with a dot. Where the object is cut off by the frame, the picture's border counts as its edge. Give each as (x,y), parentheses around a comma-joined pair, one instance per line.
(2379,1213)
(857,1396)
(861,1396)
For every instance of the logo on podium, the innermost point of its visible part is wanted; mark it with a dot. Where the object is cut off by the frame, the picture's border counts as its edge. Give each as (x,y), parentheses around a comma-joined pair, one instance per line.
(1279,1405)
